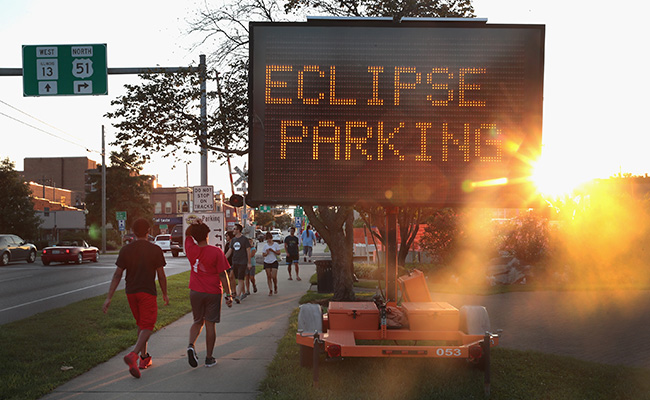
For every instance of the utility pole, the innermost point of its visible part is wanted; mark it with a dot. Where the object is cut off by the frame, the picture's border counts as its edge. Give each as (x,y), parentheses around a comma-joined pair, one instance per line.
(103,192)
(204,121)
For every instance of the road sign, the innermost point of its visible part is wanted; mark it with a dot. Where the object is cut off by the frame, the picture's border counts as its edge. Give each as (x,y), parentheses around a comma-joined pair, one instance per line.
(243,176)
(265,208)
(57,70)
(120,215)
(203,198)
(298,212)
(121,224)
(215,221)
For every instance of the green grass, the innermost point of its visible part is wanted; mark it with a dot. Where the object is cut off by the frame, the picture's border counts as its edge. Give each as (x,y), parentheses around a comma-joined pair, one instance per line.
(515,375)
(34,350)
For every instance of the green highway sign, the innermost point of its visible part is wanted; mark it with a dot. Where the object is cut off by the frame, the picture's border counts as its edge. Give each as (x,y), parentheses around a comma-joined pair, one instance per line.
(65,70)
(120,215)
(265,208)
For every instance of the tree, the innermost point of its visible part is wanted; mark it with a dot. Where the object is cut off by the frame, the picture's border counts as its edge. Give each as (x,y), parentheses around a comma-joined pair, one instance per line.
(226,26)
(127,190)
(17,214)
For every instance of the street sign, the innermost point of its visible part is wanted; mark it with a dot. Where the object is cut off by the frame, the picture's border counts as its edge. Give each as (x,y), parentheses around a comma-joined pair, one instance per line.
(243,176)
(215,221)
(265,208)
(298,212)
(120,215)
(121,224)
(203,198)
(58,70)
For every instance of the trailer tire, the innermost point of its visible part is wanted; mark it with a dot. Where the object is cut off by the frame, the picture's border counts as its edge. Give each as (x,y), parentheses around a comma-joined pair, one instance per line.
(474,320)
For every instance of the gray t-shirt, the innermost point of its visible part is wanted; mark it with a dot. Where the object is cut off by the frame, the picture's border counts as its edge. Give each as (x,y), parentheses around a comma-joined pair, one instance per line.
(239,246)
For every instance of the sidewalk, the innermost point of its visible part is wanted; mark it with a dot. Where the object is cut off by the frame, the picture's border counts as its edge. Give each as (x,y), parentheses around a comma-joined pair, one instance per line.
(247,339)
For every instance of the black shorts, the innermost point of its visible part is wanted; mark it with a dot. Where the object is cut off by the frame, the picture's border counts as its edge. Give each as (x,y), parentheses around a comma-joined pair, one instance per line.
(274,264)
(292,258)
(240,270)
(205,306)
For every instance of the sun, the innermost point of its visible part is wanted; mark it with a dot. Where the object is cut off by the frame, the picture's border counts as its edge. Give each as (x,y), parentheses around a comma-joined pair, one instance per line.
(557,179)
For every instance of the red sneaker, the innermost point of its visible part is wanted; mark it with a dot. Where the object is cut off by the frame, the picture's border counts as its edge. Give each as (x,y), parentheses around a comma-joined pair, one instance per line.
(145,362)
(131,360)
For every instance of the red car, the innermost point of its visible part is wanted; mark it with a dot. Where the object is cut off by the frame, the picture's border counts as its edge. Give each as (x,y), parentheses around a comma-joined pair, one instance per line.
(72,251)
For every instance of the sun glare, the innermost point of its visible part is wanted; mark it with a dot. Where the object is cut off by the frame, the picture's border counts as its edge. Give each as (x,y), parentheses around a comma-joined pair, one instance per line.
(555,179)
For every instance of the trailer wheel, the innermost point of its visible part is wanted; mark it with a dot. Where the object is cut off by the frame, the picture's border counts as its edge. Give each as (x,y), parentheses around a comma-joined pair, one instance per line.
(474,320)
(306,356)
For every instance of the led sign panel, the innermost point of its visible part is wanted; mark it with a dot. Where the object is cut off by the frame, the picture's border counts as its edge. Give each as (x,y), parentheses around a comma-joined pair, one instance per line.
(394,113)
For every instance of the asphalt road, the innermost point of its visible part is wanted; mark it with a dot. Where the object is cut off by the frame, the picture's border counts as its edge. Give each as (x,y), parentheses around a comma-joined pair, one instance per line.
(27,289)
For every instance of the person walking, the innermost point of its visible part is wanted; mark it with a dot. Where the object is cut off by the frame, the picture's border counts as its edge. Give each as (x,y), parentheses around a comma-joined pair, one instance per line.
(250,271)
(292,248)
(241,259)
(231,272)
(271,251)
(308,239)
(208,278)
(143,262)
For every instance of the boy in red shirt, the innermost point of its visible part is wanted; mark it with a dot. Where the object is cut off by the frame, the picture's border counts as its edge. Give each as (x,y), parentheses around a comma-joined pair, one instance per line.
(208,277)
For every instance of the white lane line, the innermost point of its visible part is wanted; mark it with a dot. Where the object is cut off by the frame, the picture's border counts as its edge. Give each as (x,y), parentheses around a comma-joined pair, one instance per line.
(54,296)
(16,278)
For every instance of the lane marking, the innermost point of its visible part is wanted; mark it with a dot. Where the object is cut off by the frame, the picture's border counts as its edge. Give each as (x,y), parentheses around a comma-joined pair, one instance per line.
(54,296)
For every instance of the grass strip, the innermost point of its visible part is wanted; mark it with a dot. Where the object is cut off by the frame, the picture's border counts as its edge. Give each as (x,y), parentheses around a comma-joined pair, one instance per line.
(515,375)
(36,352)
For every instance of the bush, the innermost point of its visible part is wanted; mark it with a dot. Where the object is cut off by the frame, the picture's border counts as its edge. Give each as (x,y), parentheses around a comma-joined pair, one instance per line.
(527,238)
(443,235)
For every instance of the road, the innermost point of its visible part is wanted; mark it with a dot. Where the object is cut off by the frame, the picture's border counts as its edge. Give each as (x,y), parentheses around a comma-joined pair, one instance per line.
(27,289)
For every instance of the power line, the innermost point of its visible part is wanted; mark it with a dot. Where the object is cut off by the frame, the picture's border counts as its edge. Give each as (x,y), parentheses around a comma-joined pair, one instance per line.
(49,133)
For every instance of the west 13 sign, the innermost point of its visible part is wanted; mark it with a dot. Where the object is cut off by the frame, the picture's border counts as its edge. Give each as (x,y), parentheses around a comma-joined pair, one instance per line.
(50,70)
(411,113)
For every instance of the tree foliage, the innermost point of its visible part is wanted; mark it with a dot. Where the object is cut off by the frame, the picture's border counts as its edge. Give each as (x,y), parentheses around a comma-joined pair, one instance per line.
(387,8)
(17,214)
(162,115)
(126,191)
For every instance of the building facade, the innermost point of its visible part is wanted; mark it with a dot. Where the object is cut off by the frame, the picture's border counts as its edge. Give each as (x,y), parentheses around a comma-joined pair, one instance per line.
(60,172)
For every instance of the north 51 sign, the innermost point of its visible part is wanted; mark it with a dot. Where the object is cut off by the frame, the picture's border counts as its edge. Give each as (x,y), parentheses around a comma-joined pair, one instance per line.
(50,70)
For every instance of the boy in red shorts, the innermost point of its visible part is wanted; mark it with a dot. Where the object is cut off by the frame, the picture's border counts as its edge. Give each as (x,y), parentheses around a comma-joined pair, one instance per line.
(143,262)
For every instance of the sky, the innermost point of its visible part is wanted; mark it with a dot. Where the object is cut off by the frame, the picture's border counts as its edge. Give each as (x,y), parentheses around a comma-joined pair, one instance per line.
(595,90)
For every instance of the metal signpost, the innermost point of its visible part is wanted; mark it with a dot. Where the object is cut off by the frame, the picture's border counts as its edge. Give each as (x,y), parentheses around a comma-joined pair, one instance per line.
(61,70)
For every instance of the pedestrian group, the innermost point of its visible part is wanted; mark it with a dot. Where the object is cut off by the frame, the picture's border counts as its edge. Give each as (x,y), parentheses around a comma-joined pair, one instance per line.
(213,271)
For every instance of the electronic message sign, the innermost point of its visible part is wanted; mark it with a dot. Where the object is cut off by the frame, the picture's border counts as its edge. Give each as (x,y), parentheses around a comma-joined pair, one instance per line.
(411,113)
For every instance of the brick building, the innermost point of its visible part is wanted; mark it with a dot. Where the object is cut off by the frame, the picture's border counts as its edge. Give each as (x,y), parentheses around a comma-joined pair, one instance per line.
(60,172)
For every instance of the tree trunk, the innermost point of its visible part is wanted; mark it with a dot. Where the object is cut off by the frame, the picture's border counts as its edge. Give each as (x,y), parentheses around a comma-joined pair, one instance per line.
(335,225)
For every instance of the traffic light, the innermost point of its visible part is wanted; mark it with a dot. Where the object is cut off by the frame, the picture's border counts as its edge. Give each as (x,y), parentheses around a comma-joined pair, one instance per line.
(237,200)
(250,202)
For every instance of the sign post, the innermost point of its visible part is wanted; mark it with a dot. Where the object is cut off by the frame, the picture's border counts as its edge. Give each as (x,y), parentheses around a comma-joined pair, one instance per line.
(60,70)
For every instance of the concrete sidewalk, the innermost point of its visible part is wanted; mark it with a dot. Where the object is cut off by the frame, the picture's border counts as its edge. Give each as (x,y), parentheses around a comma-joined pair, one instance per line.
(247,339)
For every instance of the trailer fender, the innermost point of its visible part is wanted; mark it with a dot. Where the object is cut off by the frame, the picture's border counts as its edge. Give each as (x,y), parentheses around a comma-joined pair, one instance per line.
(474,320)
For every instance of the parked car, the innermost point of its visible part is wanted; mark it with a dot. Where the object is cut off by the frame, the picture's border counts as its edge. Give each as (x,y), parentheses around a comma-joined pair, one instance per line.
(14,248)
(277,237)
(177,240)
(164,242)
(70,251)
(129,237)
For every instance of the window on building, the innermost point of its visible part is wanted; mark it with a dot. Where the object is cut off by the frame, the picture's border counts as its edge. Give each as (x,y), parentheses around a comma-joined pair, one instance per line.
(158,208)
(168,207)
